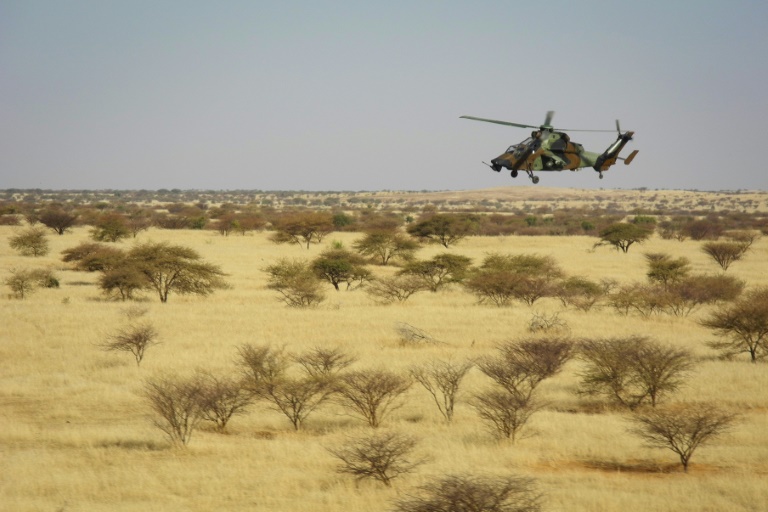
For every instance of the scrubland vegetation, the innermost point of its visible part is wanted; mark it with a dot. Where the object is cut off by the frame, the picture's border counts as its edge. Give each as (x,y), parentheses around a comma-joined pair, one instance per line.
(368,359)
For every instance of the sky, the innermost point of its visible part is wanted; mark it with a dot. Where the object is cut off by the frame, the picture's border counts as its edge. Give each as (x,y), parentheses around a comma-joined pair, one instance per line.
(361,95)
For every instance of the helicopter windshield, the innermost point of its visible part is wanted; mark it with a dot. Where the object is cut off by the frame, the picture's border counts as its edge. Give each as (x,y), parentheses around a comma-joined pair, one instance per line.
(519,147)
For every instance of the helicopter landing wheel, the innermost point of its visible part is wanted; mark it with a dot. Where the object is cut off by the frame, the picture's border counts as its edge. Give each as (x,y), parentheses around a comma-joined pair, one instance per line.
(513,174)
(601,175)
(535,179)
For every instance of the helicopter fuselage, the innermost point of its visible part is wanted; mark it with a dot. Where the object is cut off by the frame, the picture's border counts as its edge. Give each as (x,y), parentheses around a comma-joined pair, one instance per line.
(545,151)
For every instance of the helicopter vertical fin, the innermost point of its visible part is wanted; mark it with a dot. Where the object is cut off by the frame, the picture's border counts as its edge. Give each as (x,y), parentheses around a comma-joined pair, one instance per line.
(608,158)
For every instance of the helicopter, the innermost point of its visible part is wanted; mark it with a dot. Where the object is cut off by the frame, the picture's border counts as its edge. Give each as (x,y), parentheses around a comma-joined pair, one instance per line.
(548,149)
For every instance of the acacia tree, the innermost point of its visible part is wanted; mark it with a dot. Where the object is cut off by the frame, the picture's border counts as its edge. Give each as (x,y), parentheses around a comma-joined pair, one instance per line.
(111,227)
(384,245)
(134,339)
(30,242)
(622,235)
(742,325)
(340,266)
(58,220)
(302,228)
(503,277)
(443,228)
(174,268)
(664,269)
(682,428)
(296,283)
(439,271)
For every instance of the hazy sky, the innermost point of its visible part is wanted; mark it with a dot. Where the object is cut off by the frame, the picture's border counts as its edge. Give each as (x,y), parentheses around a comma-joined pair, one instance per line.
(362,95)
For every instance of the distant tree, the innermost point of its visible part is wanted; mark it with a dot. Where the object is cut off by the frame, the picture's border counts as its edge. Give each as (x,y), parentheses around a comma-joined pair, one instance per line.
(111,227)
(30,242)
(58,220)
(138,221)
(703,229)
(742,325)
(385,245)
(632,370)
(382,456)
(442,380)
(134,339)
(296,282)
(465,493)
(684,296)
(302,228)
(725,253)
(445,229)
(441,270)
(372,394)
(175,268)
(340,266)
(622,235)
(664,269)
(682,428)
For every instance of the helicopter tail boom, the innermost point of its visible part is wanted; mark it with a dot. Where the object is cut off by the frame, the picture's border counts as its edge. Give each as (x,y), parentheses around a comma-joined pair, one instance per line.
(610,155)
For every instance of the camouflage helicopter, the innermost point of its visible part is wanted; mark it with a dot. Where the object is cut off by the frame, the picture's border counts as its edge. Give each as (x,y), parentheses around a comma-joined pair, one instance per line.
(548,149)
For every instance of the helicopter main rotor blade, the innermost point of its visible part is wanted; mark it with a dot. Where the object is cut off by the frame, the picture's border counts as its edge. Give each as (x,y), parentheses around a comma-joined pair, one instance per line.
(545,126)
(506,123)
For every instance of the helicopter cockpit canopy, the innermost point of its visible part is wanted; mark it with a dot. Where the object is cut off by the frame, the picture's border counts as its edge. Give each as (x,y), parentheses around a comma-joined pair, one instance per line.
(520,147)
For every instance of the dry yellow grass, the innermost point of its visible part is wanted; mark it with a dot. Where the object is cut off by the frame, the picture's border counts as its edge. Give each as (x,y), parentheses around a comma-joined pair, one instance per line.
(76,434)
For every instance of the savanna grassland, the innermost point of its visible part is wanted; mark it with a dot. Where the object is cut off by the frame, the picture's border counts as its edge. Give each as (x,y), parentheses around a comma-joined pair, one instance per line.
(77,433)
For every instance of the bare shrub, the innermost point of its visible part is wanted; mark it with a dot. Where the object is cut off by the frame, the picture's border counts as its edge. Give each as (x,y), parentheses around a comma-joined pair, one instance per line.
(382,456)
(395,288)
(633,370)
(296,398)
(261,364)
(543,323)
(506,413)
(221,398)
(134,339)
(521,366)
(176,403)
(742,326)
(725,253)
(324,363)
(462,493)
(442,379)
(682,428)
(372,394)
